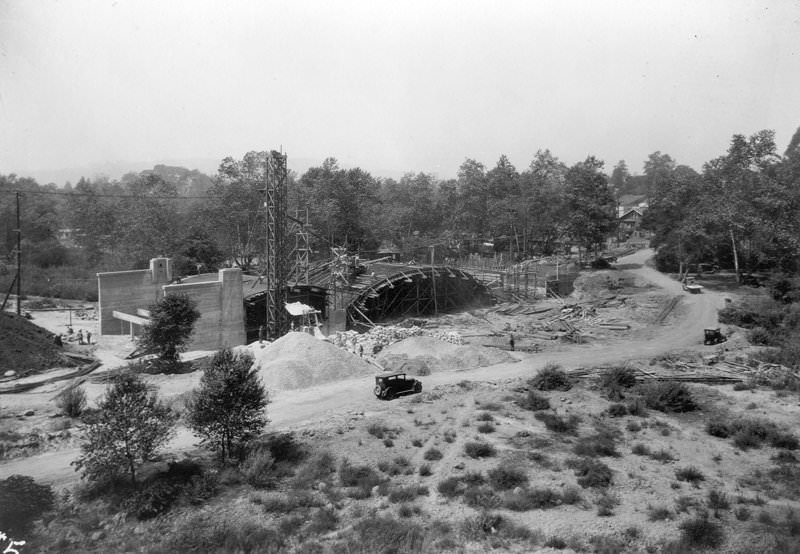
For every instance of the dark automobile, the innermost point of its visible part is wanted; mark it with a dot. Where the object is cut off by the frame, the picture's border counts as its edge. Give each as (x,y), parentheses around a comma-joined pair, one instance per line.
(714,336)
(390,385)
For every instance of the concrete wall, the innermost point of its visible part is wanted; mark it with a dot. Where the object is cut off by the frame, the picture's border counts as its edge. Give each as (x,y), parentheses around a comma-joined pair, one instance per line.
(125,291)
(221,305)
(219,301)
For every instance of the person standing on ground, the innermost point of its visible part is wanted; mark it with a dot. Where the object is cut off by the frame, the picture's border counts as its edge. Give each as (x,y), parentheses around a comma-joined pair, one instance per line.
(260,334)
(88,337)
(511,341)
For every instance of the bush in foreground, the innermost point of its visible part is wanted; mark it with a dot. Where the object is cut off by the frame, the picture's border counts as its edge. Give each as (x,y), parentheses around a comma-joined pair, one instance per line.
(551,377)
(591,473)
(23,501)
(72,401)
(667,396)
(479,450)
(506,477)
(701,532)
(558,424)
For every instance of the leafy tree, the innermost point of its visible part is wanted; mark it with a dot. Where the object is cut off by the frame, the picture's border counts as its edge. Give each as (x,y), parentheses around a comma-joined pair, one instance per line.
(229,407)
(542,205)
(657,170)
(591,205)
(172,322)
(620,176)
(473,192)
(127,430)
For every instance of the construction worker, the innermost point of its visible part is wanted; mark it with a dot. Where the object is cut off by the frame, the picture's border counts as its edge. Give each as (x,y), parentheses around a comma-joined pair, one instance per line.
(511,341)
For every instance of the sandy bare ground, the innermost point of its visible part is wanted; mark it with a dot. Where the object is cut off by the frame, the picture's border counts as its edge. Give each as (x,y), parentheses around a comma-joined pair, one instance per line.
(307,408)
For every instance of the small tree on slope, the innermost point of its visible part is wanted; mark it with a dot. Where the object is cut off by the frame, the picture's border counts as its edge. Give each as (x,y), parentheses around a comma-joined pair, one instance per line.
(229,407)
(129,427)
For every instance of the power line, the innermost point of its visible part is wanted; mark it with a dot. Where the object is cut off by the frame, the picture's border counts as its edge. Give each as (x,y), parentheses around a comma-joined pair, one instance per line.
(105,195)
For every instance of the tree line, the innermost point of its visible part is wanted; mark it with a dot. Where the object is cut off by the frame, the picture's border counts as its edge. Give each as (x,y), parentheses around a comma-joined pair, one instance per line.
(740,209)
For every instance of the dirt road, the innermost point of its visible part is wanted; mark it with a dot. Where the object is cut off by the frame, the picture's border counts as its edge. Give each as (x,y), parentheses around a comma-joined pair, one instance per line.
(308,407)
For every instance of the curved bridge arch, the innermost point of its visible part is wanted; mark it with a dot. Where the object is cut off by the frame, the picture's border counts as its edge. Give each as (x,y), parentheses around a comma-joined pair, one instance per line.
(415,290)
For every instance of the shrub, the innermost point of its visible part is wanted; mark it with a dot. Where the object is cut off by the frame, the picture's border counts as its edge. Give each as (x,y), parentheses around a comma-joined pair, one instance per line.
(551,377)
(433,454)
(658,513)
(601,444)
(636,407)
(450,487)
(384,534)
(719,429)
(257,468)
(213,532)
(363,477)
(153,499)
(425,470)
(416,442)
(617,410)
(616,380)
(571,495)
(590,473)
(377,430)
(742,513)
(640,449)
(534,401)
(606,504)
(23,501)
(282,446)
(663,456)
(633,427)
(486,428)
(485,416)
(531,499)
(718,500)
(701,532)
(506,477)
(667,396)
(318,468)
(479,450)
(689,474)
(558,424)
(406,494)
(388,443)
(72,401)
(481,497)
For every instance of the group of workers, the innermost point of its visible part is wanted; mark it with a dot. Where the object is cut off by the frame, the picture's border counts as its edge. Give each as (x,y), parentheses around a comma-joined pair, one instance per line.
(82,336)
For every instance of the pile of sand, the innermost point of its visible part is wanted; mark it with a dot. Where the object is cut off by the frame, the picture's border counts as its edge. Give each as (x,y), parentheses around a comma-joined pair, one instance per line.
(298,360)
(422,355)
(26,347)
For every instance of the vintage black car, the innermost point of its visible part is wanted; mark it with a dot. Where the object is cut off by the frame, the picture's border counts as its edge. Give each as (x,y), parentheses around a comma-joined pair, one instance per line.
(391,385)
(714,336)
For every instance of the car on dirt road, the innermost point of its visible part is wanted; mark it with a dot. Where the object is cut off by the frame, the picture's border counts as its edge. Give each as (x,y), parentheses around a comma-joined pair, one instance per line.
(713,336)
(393,384)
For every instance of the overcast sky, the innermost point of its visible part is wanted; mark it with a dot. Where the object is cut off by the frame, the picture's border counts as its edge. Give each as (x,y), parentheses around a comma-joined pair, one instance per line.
(392,85)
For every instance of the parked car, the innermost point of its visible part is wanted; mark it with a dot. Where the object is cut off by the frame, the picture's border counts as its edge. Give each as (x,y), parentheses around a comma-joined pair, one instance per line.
(393,384)
(714,336)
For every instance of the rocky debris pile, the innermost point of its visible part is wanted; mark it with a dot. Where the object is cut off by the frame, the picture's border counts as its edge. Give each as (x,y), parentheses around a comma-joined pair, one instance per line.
(775,375)
(379,337)
(298,360)
(422,355)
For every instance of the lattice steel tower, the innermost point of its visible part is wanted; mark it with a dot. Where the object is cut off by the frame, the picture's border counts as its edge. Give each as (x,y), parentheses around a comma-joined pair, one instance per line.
(276,249)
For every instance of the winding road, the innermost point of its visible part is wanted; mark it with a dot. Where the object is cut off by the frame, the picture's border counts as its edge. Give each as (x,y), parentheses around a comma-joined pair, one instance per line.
(307,407)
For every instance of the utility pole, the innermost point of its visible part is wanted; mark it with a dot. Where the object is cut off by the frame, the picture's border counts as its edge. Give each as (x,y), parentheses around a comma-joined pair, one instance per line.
(19,260)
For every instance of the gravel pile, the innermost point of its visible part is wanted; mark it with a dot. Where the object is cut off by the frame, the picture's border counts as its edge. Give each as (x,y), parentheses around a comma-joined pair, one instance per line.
(423,355)
(298,360)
